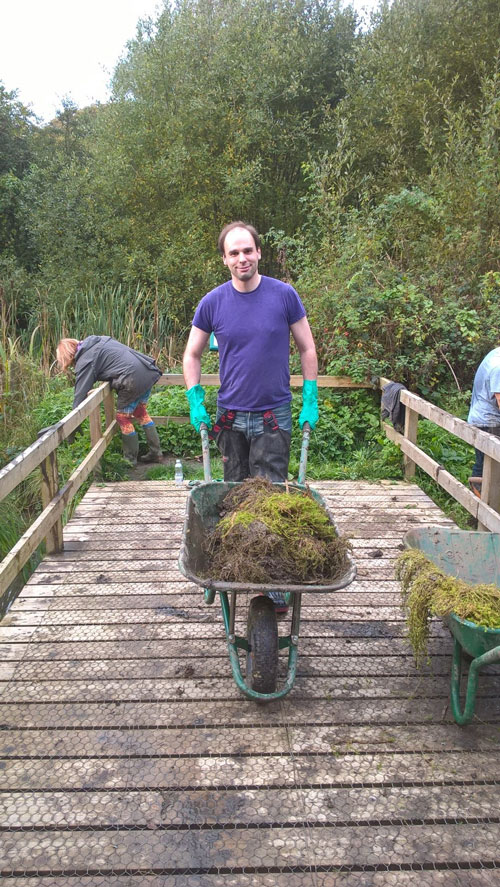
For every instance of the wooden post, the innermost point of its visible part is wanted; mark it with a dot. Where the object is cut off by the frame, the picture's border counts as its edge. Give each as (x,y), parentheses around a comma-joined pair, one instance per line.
(50,486)
(490,488)
(411,428)
(96,433)
(95,425)
(109,407)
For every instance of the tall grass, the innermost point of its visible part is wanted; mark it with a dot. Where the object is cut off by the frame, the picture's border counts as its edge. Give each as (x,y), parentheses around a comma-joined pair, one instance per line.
(139,318)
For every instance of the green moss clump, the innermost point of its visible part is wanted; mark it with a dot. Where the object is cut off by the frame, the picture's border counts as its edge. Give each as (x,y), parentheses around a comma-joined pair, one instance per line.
(427,591)
(268,536)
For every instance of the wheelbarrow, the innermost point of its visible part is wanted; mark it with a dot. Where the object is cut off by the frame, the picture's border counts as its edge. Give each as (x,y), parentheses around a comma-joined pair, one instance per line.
(262,643)
(473,556)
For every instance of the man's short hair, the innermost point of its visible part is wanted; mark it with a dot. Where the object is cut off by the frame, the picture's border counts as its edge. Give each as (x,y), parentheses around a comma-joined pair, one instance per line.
(227,228)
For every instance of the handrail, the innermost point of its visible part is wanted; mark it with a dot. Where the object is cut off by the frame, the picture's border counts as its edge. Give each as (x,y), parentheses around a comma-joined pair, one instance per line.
(485,510)
(43,454)
(295,382)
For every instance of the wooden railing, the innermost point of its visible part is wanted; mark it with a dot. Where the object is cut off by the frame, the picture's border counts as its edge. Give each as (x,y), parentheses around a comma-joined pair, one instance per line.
(485,510)
(295,382)
(43,454)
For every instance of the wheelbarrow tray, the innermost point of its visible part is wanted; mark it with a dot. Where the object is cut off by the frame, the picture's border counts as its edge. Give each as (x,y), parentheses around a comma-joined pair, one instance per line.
(474,557)
(471,555)
(202,514)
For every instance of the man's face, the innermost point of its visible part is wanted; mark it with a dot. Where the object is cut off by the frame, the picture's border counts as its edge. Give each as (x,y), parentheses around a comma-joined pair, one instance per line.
(241,257)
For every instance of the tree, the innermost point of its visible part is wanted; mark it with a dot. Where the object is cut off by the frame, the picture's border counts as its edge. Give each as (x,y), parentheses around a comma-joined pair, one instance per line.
(16,129)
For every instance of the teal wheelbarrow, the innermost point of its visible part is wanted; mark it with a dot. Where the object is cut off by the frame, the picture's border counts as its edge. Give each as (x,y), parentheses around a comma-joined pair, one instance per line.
(260,648)
(473,556)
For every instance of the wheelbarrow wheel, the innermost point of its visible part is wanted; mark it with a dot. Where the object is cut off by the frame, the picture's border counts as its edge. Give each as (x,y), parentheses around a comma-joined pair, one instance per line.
(262,653)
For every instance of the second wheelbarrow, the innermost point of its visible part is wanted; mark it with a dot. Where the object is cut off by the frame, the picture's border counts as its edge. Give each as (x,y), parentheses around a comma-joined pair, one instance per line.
(262,642)
(473,556)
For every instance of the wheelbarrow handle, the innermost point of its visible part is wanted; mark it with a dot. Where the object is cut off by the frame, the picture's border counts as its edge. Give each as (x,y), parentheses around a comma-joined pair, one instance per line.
(207,473)
(306,434)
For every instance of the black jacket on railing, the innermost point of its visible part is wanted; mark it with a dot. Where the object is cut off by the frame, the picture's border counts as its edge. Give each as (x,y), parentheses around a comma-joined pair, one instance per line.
(392,408)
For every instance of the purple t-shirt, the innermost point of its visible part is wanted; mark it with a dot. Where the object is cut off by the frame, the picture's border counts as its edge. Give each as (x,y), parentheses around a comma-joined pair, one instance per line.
(253,335)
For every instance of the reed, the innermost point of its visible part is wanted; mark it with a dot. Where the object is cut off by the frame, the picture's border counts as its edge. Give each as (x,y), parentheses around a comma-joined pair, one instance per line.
(139,318)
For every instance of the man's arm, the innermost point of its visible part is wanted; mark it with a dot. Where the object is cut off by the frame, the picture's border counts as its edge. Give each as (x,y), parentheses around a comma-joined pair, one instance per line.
(301,332)
(191,364)
(497,398)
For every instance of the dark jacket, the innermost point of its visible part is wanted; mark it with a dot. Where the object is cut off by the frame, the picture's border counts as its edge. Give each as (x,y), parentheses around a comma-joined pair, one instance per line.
(392,408)
(103,359)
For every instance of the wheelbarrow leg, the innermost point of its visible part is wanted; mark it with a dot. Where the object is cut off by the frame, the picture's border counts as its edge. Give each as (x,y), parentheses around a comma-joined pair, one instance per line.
(470,696)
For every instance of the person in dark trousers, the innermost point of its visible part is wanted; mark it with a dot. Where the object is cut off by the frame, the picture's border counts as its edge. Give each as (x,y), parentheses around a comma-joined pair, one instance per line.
(484,410)
(251,316)
(130,373)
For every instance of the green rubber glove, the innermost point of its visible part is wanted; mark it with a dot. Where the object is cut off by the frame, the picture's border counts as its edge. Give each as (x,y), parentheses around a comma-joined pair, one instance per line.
(197,411)
(309,412)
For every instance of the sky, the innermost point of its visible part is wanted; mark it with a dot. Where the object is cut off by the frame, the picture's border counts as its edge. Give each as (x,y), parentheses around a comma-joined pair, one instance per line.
(56,49)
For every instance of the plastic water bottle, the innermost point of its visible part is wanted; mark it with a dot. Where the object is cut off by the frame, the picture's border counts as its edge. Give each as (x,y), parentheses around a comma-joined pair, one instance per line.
(178,474)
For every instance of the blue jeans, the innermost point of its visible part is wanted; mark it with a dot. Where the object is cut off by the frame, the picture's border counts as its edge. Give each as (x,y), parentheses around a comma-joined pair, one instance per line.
(252,424)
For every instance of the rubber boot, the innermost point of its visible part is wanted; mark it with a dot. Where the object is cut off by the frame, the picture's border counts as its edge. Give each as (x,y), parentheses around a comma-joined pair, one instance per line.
(130,444)
(154,453)
(234,448)
(270,454)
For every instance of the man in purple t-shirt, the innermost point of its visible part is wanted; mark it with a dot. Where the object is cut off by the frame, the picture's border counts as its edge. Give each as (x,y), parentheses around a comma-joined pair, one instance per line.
(251,316)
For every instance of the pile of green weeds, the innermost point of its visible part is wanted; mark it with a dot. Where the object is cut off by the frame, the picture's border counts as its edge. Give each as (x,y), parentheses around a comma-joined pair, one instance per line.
(268,535)
(427,591)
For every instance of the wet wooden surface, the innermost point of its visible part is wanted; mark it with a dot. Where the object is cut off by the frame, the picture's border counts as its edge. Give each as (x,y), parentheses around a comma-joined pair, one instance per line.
(130,758)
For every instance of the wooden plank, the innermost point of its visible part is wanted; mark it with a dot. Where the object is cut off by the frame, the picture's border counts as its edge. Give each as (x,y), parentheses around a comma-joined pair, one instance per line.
(146,850)
(295,381)
(165,612)
(205,626)
(248,740)
(254,807)
(189,599)
(228,771)
(102,650)
(177,666)
(166,420)
(226,712)
(163,688)
(431,877)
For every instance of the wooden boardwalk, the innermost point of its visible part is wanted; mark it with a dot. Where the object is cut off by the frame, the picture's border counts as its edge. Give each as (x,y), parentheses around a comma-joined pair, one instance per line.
(131,760)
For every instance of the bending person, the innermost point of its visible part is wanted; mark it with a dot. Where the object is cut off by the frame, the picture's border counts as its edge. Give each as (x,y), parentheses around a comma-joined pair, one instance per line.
(130,373)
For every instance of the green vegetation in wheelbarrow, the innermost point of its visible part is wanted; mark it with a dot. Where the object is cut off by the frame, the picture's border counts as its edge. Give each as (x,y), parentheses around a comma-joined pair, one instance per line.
(428,591)
(267,534)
